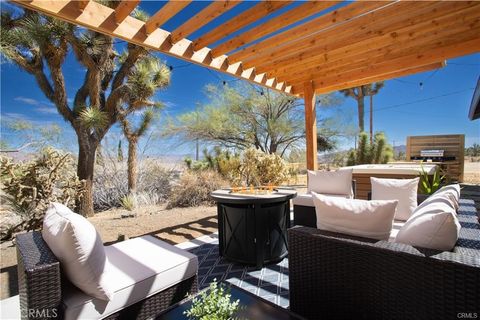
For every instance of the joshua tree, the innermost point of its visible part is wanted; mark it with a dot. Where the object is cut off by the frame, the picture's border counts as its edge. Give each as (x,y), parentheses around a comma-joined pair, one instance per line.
(359,93)
(150,74)
(39,45)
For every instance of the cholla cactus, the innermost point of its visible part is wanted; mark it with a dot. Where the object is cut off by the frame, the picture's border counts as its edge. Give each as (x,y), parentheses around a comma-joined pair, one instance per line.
(33,185)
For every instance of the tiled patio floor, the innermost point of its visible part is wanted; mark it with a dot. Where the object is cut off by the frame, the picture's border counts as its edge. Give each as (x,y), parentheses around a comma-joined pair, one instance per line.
(270,283)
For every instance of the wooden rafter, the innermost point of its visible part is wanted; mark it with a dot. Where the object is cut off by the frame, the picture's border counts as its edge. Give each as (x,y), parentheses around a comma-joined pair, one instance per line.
(300,12)
(247,17)
(299,32)
(170,9)
(214,10)
(395,39)
(386,47)
(100,18)
(124,8)
(367,26)
(347,46)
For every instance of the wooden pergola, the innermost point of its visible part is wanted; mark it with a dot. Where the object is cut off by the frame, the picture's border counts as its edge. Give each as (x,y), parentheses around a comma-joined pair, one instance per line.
(306,48)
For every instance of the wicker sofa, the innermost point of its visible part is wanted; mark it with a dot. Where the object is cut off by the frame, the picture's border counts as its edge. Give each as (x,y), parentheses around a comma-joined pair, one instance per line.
(41,285)
(334,276)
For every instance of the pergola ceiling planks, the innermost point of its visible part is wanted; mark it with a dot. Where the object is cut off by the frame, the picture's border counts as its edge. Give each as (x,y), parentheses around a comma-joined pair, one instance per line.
(247,17)
(168,11)
(300,32)
(285,19)
(214,10)
(346,45)
(381,24)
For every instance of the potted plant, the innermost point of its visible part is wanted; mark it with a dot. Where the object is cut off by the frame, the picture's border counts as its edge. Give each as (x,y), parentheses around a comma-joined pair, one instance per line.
(429,185)
(213,304)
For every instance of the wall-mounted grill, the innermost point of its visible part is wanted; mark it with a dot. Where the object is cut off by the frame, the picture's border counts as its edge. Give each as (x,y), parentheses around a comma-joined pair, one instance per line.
(434,155)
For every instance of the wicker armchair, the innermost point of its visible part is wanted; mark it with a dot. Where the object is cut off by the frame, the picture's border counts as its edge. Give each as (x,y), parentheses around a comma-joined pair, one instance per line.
(40,285)
(334,276)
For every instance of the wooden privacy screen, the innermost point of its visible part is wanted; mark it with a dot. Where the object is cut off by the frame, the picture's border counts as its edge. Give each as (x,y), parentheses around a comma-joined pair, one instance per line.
(453,146)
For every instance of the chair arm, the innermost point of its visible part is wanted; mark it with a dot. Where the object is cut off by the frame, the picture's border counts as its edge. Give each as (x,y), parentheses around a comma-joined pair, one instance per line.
(39,277)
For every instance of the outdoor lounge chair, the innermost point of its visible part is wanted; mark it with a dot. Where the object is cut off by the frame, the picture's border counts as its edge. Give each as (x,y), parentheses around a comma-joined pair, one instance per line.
(335,276)
(45,293)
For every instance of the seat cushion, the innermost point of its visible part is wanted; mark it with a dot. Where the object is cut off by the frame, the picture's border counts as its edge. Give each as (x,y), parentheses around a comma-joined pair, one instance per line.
(139,268)
(79,248)
(403,190)
(330,182)
(306,199)
(371,219)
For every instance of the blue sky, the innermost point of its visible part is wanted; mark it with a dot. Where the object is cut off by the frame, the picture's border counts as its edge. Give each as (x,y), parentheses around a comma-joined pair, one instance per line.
(402,108)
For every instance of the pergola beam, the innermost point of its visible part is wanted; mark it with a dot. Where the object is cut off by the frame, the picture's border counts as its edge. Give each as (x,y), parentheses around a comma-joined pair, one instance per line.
(247,17)
(285,19)
(101,18)
(214,10)
(124,8)
(168,11)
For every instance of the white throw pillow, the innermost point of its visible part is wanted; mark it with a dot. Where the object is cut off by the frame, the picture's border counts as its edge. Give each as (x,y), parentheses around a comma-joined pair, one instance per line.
(330,182)
(403,190)
(79,248)
(448,194)
(371,219)
(433,226)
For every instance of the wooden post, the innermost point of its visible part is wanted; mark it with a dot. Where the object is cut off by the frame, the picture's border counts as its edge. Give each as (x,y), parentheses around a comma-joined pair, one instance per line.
(310,126)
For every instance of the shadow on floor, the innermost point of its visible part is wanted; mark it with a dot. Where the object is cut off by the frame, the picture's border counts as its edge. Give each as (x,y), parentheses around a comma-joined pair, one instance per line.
(188,231)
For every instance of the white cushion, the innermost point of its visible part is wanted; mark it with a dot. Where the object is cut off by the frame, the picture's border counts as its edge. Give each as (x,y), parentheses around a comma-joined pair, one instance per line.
(79,248)
(397,225)
(403,190)
(306,199)
(448,194)
(371,219)
(141,267)
(433,226)
(330,182)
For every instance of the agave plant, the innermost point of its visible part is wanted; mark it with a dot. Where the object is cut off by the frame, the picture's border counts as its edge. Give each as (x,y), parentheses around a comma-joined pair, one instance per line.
(429,186)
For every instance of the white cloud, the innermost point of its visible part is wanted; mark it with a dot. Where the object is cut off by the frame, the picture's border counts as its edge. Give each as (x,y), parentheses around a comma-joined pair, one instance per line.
(47,110)
(29,101)
(41,106)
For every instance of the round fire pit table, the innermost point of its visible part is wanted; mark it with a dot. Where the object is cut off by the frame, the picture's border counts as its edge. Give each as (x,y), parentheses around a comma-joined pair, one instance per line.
(252,228)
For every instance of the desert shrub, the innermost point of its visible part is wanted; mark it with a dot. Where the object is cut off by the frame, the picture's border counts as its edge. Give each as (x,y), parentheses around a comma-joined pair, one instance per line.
(379,152)
(259,168)
(31,186)
(194,188)
(129,202)
(111,184)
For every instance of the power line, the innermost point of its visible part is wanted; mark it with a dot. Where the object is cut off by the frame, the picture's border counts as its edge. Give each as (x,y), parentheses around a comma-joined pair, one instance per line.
(423,100)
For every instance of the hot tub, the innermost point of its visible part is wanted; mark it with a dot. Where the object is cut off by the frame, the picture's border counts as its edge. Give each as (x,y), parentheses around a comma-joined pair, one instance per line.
(362,174)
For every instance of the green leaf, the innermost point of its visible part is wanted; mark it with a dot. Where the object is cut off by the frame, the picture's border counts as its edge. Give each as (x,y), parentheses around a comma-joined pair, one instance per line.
(93,118)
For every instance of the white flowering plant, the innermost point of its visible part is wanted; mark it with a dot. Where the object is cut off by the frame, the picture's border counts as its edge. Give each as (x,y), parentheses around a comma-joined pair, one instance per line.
(213,304)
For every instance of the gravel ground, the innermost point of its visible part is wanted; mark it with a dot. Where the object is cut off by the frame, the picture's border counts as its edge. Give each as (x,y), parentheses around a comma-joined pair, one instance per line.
(173,226)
